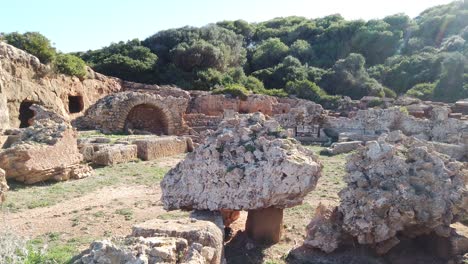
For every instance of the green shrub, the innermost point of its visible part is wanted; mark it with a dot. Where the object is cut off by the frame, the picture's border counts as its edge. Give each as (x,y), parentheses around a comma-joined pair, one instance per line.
(70,65)
(389,93)
(272,92)
(235,90)
(375,102)
(423,91)
(306,90)
(33,43)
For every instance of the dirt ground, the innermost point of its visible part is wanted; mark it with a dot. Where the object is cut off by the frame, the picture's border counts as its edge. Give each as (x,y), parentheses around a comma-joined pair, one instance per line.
(67,216)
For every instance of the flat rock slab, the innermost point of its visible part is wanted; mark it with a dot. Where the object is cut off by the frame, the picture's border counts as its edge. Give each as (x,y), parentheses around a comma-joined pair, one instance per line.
(115,154)
(154,148)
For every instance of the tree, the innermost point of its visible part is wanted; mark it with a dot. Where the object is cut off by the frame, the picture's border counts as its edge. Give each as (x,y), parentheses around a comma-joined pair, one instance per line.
(127,60)
(349,77)
(269,53)
(306,90)
(33,43)
(451,86)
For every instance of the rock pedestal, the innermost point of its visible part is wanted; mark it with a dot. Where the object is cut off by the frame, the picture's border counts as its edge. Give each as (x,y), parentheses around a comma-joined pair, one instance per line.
(265,225)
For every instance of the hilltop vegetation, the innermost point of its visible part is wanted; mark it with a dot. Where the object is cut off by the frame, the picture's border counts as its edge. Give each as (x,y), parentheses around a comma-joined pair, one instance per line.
(424,57)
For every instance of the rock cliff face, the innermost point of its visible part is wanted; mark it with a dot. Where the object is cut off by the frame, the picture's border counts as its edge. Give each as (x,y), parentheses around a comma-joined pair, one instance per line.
(24,80)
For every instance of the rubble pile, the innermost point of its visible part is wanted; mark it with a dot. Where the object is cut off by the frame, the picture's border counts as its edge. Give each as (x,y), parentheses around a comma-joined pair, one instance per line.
(396,186)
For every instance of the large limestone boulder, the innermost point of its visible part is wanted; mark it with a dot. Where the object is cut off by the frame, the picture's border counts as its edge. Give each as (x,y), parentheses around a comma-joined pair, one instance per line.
(47,150)
(3,186)
(248,163)
(396,187)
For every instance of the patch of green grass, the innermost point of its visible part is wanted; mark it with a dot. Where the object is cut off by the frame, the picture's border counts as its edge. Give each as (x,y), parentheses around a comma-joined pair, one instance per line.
(49,248)
(22,197)
(173,215)
(98,214)
(38,203)
(126,212)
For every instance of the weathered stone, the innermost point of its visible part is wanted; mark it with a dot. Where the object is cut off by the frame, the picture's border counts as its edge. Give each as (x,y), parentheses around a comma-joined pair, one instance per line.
(45,151)
(265,225)
(135,251)
(399,186)
(229,216)
(323,231)
(3,186)
(115,154)
(158,147)
(247,164)
(343,147)
(206,234)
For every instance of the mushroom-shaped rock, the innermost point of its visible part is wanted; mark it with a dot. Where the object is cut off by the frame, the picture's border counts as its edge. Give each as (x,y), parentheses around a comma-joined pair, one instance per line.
(248,163)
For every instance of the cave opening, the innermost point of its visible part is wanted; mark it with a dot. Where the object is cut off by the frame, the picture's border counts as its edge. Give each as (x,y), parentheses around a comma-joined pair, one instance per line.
(26,115)
(75,104)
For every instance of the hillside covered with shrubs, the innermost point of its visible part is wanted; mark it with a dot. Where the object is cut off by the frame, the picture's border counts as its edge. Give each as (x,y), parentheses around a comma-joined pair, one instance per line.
(317,59)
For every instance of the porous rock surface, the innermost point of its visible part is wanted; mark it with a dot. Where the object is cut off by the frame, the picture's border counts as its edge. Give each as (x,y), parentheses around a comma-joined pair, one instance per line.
(47,150)
(161,241)
(247,163)
(396,186)
(3,186)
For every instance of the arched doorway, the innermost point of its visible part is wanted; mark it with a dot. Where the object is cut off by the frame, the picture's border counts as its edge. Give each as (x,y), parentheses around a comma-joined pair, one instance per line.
(25,114)
(147,118)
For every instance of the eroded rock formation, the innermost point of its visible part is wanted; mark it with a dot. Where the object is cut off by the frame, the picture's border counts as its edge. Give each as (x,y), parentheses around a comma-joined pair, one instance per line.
(248,163)
(24,81)
(396,186)
(47,150)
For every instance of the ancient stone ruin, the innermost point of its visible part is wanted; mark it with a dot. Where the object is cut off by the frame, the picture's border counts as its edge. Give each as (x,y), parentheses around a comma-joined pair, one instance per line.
(47,150)
(137,113)
(194,240)
(248,163)
(397,187)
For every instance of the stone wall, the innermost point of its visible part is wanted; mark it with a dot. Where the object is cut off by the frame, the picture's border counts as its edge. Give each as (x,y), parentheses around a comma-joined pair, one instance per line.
(24,79)
(110,113)
(216,104)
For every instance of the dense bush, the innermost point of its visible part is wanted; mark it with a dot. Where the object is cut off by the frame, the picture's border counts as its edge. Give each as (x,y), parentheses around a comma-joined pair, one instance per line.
(70,65)
(423,91)
(33,43)
(306,90)
(349,77)
(235,90)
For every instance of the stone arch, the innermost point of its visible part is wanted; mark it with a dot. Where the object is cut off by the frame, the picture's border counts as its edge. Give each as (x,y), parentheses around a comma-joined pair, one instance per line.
(145,114)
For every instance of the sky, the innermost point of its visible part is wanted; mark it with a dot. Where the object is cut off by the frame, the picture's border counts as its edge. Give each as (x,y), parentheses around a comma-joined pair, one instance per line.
(74,25)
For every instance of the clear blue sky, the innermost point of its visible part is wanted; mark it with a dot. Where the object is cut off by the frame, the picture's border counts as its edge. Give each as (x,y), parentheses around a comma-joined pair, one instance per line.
(91,24)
